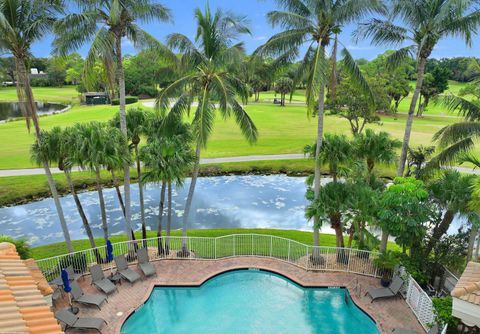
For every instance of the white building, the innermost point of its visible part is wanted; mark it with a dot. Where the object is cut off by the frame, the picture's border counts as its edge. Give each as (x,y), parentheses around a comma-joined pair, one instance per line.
(466,296)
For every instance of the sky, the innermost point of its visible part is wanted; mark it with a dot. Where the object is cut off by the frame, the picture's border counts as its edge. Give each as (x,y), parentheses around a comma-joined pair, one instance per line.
(256,11)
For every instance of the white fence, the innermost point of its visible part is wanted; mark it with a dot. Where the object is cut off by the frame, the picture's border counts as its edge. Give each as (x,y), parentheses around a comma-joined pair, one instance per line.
(205,248)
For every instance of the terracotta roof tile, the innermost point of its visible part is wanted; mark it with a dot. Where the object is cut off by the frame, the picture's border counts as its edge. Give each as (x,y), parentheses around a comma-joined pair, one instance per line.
(468,286)
(23,308)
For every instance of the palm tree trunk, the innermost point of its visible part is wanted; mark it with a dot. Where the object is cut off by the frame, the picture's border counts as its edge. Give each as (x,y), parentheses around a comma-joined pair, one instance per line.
(439,231)
(102,204)
(31,110)
(169,218)
(83,216)
(117,189)
(411,113)
(318,175)
(161,205)
(140,192)
(471,242)
(188,204)
(123,127)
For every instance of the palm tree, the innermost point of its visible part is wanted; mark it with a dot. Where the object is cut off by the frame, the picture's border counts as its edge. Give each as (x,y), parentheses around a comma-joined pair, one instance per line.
(22,23)
(375,147)
(314,24)
(99,147)
(425,23)
(59,146)
(336,150)
(168,157)
(451,192)
(204,76)
(108,22)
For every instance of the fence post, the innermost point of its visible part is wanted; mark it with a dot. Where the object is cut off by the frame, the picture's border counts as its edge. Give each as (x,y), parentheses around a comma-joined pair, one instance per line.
(306,263)
(349,258)
(234,244)
(252,243)
(215,243)
(271,245)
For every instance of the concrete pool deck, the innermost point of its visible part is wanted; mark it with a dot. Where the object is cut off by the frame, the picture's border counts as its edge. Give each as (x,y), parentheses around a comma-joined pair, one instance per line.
(388,313)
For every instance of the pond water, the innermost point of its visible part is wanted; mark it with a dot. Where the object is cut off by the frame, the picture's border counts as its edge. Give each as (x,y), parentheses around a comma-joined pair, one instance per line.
(10,110)
(274,201)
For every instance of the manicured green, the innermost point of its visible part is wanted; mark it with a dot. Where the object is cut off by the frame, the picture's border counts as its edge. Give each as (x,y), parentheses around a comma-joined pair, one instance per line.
(46,251)
(65,94)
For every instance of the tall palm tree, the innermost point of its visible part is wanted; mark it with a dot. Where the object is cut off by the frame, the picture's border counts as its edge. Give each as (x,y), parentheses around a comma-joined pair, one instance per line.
(205,77)
(375,147)
(314,24)
(136,123)
(423,25)
(108,22)
(168,157)
(98,147)
(22,23)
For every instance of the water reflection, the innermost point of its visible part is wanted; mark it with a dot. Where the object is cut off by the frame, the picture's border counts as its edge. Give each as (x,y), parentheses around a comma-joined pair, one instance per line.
(10,110)
(275,201)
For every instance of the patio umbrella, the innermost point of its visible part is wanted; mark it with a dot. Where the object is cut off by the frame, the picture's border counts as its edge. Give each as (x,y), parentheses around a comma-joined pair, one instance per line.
(110,254)
(66,287)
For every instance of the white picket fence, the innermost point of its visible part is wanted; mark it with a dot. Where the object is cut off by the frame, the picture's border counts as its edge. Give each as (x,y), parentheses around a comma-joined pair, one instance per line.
(256,245)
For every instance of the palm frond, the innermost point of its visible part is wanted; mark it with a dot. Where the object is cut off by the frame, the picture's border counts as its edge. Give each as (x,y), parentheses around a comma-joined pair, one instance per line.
(400,56)
(248,128)
(468,109)
(453,133)
(381,32)
(450,154)
(142,39)
(356,74)
(288,20)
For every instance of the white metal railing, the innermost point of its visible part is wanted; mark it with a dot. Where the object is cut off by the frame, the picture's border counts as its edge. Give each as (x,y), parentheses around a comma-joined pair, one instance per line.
(419,301)
(210,248)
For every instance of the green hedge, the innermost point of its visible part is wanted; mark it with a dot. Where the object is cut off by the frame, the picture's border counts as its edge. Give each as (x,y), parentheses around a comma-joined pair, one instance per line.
(128,100)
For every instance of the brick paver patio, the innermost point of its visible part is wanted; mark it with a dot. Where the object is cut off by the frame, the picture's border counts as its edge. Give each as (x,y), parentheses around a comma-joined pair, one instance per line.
(388,314)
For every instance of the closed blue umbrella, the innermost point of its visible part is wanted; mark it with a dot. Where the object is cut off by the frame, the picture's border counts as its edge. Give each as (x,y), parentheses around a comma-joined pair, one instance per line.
(66,282)
(109,251)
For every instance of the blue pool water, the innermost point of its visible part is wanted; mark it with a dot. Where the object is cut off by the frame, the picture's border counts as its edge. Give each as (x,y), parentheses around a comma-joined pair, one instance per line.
(249,301)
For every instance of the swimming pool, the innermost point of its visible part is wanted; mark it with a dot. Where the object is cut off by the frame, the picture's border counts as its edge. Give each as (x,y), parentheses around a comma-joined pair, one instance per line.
(249,301)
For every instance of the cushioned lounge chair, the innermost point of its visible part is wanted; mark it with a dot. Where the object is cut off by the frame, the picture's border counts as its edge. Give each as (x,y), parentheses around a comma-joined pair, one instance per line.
(389,292)
(71,274)
(87,299)
(144,263)
(71,321)
(99,280)
(124,271)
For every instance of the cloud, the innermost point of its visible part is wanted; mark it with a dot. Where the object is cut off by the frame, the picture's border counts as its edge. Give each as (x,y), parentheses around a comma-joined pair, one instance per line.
(360,47)
(259,38)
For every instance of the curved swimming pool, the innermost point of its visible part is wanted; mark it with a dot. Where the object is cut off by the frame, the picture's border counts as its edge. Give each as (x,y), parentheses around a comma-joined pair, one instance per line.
(249,301)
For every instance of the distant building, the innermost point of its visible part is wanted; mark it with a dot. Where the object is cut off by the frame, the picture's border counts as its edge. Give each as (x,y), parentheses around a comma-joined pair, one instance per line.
(95,98)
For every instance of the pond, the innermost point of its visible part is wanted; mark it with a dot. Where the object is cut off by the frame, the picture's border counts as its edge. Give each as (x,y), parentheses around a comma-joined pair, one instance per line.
(274,201)
(9,110)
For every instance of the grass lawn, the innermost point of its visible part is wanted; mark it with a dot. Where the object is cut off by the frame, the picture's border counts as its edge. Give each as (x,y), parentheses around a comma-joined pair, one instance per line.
(281,130)
(65,94)
(46,251)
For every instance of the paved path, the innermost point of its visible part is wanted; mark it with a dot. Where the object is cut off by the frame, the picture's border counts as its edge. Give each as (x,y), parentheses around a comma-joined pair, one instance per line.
(37,171)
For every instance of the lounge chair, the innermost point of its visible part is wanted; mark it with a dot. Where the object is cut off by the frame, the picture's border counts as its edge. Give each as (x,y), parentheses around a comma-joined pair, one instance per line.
(433,330)
(144,263)
(71,274)
(389,292)
(71,321)
(87,299)
(99,280)
(124,271)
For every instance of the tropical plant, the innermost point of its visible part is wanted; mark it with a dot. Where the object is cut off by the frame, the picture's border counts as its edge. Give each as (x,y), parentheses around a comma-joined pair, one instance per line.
(108,22)
(205,77)
(99,147)
(335,152)
(425,23)
(404,212)
(22,23)
(23,249)
(314,25)
(168,157)
(417,159)
(435,83)
(451,192)
(283,86)
(375,147)
(136,123)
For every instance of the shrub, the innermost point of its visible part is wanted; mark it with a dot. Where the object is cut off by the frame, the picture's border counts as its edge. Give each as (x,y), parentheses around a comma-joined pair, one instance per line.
(128,100)
(39,82)
(22,247)
(442,308)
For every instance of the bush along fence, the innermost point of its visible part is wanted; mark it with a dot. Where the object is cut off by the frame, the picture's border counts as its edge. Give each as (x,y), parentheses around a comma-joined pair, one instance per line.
(238,245)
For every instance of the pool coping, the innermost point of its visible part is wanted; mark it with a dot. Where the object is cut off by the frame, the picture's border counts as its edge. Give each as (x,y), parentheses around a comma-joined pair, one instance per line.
(153,285)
